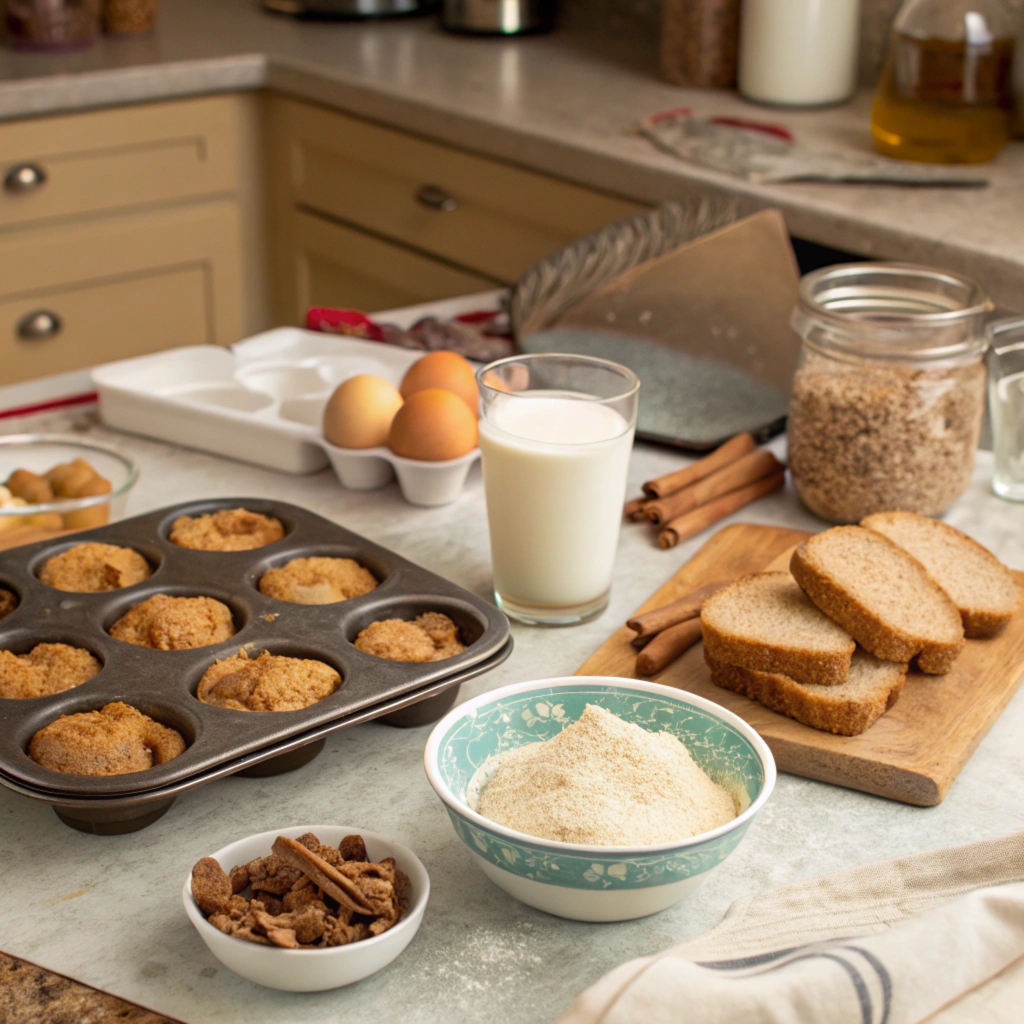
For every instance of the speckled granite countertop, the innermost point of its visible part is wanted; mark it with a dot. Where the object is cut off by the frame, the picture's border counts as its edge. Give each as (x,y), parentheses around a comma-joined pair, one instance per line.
(560,104)
(107,910)
(32,995)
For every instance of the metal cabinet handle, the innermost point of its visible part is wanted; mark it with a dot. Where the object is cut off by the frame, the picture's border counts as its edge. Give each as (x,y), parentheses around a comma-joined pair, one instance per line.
(437,199)
(24,178)
(39,325)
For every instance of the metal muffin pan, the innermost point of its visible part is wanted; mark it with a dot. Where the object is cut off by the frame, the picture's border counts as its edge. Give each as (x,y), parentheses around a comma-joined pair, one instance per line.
(162,684)
(117,815)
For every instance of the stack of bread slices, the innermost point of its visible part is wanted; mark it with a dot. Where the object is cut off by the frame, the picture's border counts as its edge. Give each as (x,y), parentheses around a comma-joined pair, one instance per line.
(830,642)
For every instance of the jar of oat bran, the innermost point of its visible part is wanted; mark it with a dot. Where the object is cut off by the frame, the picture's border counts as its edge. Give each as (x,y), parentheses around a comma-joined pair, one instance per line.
(889,392)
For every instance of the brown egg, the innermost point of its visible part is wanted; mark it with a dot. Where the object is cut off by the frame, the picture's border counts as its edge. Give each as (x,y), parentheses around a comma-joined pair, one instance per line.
(359,413)
(446,370)
(433,425)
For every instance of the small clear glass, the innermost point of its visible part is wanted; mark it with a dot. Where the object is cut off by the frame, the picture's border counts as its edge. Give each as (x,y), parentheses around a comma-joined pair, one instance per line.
(556,433)
(1005,359)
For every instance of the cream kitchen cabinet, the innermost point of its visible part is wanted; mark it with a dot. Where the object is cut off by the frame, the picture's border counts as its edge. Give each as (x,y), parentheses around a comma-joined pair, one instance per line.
(405,218)
(133,229)
(129,230)
(335,265)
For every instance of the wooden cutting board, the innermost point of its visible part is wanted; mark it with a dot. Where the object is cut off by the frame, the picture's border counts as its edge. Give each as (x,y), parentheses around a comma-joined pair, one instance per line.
(912,754)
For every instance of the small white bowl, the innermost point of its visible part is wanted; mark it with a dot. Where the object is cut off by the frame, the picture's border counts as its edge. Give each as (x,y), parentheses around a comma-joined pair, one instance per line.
(313,970)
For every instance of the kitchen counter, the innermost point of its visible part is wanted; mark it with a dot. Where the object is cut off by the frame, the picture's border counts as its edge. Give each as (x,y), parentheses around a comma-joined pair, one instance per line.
(108,910)
(561,104)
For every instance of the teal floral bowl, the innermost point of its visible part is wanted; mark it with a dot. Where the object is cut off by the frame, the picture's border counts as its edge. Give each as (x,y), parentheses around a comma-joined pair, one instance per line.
(593,883)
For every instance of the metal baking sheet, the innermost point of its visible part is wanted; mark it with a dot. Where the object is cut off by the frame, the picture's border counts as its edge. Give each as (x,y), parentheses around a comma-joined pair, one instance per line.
(162,684)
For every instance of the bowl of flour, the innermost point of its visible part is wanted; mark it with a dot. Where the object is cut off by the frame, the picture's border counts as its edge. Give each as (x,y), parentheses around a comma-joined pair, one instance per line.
(598,798)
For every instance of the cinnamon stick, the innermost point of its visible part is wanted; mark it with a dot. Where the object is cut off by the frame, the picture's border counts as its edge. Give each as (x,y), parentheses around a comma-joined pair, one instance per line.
(636,510)
(707,515)
(667,646)
(736,446)
(688,607)
(745,470)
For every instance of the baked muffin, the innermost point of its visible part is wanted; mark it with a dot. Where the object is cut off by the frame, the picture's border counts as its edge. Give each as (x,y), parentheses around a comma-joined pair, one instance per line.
(46,669)
(115,740)
(8,602)
(429,637)
(93,568)
(167,623)
(270,682)
(230,529)
(317,580)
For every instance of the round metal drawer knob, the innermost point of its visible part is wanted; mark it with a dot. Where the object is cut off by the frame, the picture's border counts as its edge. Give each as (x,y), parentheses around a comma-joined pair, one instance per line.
(38,325)
(437,199)
(24,178)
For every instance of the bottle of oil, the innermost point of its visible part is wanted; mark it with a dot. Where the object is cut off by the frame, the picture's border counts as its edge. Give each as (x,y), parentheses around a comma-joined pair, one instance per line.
(946,94)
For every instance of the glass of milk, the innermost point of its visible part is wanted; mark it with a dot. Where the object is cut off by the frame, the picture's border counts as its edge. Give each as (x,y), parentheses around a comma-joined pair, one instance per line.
(1005,358)
(555,434)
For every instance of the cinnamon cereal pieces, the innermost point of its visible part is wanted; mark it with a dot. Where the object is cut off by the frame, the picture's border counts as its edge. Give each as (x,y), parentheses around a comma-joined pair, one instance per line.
(305,894)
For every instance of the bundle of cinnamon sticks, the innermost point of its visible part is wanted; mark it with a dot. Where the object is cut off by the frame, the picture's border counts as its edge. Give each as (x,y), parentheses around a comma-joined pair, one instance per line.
(683,503)
(665,633)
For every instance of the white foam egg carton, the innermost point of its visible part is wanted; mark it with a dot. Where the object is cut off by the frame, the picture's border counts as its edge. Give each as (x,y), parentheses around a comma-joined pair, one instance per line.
(262,401)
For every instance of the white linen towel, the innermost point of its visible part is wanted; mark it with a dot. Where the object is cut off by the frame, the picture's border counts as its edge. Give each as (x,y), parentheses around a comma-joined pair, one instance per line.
(936,937)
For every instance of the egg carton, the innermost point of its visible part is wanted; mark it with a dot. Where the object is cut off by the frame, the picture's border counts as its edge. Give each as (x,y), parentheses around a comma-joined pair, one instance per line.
(262,401)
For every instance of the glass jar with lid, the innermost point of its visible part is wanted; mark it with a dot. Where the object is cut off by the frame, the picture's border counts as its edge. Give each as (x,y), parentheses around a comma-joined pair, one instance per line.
(889,393)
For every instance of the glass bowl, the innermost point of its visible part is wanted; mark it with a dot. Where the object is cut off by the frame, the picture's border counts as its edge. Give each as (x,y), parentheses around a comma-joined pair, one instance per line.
(39,453)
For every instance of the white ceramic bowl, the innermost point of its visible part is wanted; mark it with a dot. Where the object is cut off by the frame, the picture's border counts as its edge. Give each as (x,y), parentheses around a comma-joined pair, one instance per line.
(313,970)
(593,883)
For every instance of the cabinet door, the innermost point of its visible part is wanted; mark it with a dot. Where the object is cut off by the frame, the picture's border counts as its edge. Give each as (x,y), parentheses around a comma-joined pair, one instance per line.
(74,297)
(487,216)
(328,264)
(110,160)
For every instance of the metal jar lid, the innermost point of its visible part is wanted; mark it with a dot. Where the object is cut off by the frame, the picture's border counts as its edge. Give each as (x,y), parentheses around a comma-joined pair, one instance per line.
(892,311)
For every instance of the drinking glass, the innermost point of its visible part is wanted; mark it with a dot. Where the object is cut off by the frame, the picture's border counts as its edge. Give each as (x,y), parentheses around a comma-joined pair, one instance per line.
(556,433)
(1005,358)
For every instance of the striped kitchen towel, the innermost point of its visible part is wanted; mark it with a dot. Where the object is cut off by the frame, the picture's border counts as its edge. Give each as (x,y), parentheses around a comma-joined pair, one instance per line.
(936,937)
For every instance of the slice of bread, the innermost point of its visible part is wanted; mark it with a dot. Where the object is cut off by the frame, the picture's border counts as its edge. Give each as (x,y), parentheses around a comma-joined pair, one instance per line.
(766,623)
(881,595)
(846,710)
(982,588)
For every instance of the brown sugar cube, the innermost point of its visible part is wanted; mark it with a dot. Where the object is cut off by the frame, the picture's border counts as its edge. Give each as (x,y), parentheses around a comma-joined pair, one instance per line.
(68,478)
(95,515)
(30,487)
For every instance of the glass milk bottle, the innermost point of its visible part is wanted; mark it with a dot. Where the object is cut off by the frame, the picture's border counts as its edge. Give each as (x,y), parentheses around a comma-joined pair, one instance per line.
(556,433)
(799,53)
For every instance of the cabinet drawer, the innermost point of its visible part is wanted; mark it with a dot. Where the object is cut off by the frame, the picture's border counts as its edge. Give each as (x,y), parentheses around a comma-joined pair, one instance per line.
(122,287)
(482,214)
(60,167)
(333,265)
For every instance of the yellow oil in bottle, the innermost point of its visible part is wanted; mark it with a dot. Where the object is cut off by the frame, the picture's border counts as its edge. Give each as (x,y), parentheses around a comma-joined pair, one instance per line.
(944,101)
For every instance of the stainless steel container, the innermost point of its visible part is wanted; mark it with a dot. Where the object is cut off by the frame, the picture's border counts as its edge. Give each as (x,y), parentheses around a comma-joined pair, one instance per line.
(349,8)
(498,17)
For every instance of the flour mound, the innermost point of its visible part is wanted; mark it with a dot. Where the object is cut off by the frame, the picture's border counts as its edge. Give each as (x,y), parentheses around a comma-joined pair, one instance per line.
(605,782)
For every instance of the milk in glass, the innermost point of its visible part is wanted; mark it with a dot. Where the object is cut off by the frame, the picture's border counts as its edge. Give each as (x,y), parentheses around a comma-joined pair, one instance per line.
(555,475)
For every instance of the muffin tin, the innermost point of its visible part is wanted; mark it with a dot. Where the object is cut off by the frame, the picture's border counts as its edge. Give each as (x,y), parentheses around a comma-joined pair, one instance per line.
(263,402)
(162,684)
